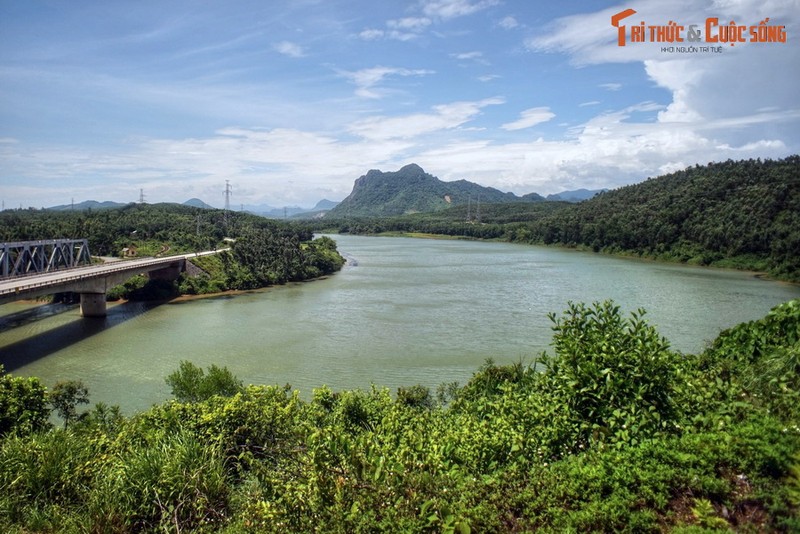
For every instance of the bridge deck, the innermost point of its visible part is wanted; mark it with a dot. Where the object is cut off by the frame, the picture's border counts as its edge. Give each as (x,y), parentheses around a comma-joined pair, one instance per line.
(58,281)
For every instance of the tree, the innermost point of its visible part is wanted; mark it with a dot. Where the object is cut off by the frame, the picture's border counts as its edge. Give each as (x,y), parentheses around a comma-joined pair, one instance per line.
(65,398)
(615,376)
(23,405)
(190,383)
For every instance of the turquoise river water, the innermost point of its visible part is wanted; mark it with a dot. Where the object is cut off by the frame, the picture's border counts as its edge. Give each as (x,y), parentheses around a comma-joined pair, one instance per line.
(403,311)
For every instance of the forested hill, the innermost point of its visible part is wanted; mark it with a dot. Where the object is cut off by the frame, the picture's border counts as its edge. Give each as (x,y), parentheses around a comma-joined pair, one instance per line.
(736,213)
(411,190)
(742,214)
(263,251)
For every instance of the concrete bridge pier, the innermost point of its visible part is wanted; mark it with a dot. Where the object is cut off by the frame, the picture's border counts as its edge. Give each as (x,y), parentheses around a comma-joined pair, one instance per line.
(93,305)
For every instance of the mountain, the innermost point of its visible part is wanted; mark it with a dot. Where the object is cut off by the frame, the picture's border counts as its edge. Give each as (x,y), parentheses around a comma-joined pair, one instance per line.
(578,195)
(89,205)
(197,203)
(412,190)
(325,204)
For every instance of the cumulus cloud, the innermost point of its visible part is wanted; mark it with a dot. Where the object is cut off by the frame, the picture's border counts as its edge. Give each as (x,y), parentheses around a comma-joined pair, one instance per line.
(711,91)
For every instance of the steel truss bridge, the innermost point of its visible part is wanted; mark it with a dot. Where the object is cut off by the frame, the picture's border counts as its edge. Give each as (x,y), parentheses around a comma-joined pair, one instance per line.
(40,268)
(36,257)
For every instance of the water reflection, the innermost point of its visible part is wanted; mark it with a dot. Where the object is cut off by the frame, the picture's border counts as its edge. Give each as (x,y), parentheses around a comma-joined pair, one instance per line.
(34,343)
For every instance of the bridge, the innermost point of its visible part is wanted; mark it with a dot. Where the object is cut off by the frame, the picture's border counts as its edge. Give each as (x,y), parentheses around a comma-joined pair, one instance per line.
(23,258)
(92,282)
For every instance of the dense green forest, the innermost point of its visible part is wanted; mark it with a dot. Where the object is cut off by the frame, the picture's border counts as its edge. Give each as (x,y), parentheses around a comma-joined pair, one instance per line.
(612,432)
(742,214)
(263,251)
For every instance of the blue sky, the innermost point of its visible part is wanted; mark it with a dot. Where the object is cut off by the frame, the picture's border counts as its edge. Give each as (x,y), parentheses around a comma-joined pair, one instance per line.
(291,101)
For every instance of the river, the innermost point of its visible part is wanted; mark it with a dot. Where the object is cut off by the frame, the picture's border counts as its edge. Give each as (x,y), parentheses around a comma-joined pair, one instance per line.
(403,311)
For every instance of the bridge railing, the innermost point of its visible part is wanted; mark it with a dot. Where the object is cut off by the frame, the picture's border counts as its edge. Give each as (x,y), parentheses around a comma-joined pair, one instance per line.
(44,256)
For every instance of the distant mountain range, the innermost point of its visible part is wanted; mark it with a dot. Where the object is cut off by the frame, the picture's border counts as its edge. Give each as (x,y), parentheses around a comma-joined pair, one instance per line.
(90,205)
(579,195)
(291,211)
(377,193)
(197,203)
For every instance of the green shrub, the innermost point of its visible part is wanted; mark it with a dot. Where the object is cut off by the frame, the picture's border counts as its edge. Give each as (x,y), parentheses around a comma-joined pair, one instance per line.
(190,383)
(614,377)
(23,405)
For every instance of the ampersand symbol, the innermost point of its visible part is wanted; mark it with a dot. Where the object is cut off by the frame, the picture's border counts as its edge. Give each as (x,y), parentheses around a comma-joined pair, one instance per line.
(694,34)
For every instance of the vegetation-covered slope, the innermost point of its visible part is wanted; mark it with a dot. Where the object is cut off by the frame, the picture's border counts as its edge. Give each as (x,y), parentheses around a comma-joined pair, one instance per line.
(617,433)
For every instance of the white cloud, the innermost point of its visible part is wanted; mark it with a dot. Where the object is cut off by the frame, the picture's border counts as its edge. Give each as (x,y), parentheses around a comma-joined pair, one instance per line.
(530,117)
(509,23)
(488,77)
(290,49)
(475,57)
(366,79)
(415,24)
(447,9)
(467,55)
(404,29)
(371,34)
(709,90)
(444,117)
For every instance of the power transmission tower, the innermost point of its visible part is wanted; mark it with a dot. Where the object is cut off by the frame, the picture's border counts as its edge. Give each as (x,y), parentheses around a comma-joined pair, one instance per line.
(227,202)
(227,195)
(141,196)
(478,210)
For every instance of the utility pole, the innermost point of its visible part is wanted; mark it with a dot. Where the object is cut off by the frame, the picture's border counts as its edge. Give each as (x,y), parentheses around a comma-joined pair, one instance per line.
(469,208)
(478,209)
